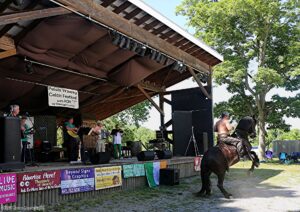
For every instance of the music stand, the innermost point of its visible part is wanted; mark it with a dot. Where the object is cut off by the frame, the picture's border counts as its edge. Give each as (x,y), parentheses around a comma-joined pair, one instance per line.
(192,139)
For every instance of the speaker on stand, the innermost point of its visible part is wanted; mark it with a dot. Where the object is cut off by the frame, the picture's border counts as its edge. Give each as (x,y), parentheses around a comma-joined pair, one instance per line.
(10,144)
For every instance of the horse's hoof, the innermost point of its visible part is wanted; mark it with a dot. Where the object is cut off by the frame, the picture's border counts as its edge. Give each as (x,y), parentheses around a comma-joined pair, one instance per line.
(227,196)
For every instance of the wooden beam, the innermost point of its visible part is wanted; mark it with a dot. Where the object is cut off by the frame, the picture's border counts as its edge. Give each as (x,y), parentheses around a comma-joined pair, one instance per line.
(132,13)
(204,91)
(7,43)
(8,53)
(109,18)
(152,87)
(31,15)
(150,99)
(167,101)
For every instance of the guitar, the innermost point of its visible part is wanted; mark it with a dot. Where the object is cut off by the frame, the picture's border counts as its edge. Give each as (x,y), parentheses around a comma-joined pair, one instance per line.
(72,134)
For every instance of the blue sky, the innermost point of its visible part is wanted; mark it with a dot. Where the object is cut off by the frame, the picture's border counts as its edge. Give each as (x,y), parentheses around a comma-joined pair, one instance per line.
(167,8)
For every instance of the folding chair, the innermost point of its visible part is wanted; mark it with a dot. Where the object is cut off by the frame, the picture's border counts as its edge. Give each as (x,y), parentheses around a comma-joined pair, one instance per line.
(282,156)
(269,155)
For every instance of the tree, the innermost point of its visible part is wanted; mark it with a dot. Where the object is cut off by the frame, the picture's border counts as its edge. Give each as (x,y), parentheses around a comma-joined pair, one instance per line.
(130,120)
(259,40)
(134,115)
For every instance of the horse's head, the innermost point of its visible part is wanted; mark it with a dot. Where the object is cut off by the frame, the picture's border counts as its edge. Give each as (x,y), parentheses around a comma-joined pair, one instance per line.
(247,125)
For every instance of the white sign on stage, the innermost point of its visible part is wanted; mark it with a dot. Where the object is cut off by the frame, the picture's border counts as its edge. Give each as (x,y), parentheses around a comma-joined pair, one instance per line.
(63,97)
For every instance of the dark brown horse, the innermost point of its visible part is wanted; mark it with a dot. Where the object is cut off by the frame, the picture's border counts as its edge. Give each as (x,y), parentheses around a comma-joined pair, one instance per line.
(219,158)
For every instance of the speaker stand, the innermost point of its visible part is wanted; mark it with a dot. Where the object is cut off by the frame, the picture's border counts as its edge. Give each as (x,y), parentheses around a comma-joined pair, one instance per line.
(192,139)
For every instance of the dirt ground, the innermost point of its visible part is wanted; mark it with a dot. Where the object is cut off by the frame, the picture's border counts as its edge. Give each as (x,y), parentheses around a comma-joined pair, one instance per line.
(272,187)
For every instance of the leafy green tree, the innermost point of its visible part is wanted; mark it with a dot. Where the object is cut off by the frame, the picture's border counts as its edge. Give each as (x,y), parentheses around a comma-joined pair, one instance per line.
(263,34)
(130,120)
(294,134)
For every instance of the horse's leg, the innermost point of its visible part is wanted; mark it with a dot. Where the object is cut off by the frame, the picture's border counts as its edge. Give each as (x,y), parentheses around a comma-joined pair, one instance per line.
(255,162)
(205,174)
(208,188)
(220,185)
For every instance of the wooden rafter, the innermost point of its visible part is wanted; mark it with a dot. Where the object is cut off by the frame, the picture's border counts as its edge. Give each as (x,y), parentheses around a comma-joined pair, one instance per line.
(122,7)
(31,15)
(204,91)
(8,53)
(150,99)
(109,18)
(132,13)
(152,86)
(7,43)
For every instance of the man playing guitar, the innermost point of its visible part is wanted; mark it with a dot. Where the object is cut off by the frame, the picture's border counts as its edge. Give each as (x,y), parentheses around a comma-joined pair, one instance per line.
(73,140)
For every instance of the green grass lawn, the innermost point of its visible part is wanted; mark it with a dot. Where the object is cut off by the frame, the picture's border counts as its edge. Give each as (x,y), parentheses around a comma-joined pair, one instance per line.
(272,173)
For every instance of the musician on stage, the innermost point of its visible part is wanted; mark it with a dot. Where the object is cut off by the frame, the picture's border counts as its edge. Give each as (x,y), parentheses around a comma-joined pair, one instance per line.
(25,131)
(102,136)
(14,110)
(72,139)
(117,142)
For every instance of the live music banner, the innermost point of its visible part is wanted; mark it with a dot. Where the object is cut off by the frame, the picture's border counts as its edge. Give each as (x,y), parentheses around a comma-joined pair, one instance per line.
(8,188)
(63,97)
(38,181)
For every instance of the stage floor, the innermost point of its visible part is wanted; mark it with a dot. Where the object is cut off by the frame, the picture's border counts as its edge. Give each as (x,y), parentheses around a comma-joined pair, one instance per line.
(113,162)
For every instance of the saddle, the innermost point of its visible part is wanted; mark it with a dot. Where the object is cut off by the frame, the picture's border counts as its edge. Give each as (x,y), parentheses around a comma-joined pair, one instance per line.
(230,152)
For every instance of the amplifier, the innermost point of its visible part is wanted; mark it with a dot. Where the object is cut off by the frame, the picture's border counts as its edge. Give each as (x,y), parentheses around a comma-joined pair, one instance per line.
(169,176)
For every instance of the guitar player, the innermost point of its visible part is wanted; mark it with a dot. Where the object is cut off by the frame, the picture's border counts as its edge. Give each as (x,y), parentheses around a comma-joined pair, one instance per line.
(72,139)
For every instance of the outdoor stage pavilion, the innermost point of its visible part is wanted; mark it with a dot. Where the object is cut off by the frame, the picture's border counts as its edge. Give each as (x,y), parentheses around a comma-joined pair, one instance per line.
(115,53)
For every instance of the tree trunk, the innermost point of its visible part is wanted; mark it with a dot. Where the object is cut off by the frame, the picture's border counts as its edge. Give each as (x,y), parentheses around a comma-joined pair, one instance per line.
(261,136)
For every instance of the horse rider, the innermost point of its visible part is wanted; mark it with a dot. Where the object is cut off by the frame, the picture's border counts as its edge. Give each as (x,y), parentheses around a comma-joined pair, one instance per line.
(223,128)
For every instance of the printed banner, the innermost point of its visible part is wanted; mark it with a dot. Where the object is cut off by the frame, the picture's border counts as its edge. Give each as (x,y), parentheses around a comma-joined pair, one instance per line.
(133,170)
(63,97)
(197,164)
(139,170)
(8,188)
(77,180)
(108,177)
(38,181)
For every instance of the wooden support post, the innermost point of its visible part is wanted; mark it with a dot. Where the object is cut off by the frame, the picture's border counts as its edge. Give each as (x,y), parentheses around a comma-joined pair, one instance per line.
(199,83)
(161,105)
(150,99)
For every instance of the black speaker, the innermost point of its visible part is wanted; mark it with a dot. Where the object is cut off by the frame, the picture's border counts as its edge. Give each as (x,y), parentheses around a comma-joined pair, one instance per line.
(165,154)
(100,157)
(169,176)
(185,116)
(146,156)
(10,143)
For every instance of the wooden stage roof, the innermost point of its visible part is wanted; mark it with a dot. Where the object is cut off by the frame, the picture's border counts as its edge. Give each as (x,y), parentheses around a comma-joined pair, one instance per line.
(74,41)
